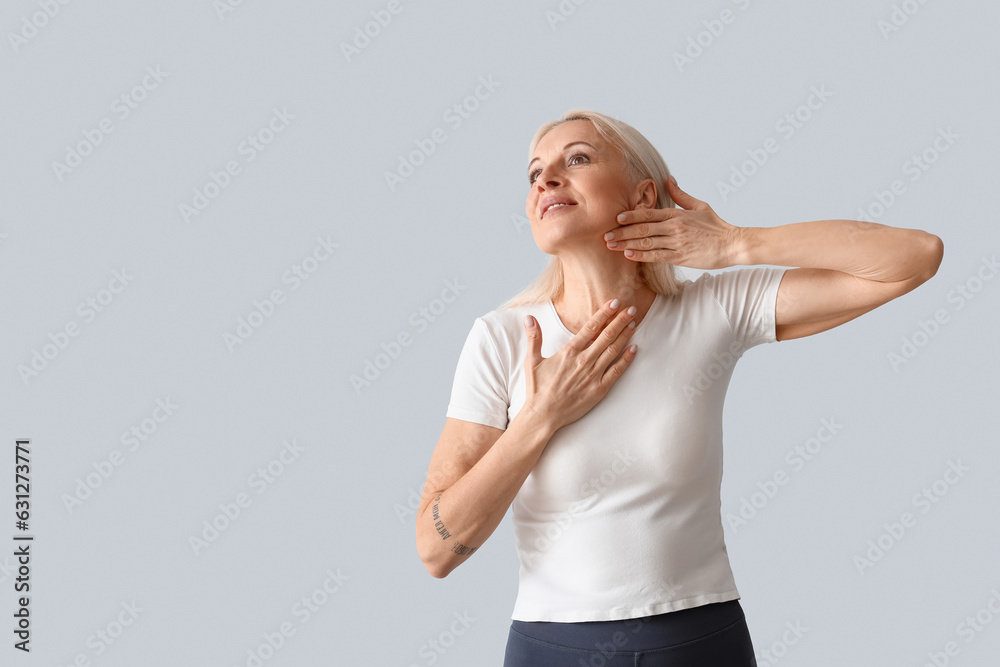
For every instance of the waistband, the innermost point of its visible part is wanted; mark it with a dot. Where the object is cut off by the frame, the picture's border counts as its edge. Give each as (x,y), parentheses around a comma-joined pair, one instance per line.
(642,633)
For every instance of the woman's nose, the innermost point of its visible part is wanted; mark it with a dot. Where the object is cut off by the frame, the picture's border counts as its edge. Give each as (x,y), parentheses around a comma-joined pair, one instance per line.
(548,177)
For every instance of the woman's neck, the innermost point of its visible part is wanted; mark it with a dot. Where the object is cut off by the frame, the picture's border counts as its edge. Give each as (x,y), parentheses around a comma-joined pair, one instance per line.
(577,303)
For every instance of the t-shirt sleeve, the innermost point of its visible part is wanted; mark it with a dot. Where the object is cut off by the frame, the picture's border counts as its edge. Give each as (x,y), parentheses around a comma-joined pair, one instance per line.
(748,297)
(479,390)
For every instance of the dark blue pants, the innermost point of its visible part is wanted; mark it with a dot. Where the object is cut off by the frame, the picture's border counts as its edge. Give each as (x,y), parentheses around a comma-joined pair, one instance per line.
(712,635)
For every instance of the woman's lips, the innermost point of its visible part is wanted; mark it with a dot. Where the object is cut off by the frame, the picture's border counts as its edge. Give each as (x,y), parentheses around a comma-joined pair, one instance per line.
(553,209)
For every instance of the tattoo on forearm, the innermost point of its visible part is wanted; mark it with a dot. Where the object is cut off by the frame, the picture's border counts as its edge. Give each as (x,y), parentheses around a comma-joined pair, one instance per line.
(437,520)
(462,550)
(458,548)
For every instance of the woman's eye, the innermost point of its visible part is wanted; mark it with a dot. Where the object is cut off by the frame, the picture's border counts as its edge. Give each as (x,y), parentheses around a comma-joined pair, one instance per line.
(534,174)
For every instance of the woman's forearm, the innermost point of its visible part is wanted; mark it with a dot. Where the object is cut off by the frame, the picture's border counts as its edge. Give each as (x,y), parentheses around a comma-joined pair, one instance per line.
(463,516)
(864,249)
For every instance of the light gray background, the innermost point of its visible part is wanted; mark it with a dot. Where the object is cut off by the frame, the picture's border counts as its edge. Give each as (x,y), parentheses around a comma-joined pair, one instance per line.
(341,505)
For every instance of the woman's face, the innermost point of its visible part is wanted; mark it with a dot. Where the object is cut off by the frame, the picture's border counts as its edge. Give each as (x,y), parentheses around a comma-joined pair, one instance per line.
(574,165)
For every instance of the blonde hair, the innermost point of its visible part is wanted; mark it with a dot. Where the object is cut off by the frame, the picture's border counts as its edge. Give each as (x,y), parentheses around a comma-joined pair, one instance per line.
(642,161)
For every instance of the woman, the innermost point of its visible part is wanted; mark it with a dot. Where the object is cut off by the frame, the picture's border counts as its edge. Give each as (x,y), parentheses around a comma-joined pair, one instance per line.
(591,403)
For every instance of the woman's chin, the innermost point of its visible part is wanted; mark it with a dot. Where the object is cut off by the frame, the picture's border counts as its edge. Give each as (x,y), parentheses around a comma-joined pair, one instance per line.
(553,244)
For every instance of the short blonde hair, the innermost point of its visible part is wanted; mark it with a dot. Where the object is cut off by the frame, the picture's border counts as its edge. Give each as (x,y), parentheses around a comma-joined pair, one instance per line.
(642,161)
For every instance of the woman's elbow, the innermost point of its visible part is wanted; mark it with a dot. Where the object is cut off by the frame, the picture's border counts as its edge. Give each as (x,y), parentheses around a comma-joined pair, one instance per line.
(436,571)
(432,558)
(435,568)
(933,254)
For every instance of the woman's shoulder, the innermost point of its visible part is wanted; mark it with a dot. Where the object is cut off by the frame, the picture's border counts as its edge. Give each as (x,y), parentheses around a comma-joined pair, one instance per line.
(724,278)
(506,322)
(738,280)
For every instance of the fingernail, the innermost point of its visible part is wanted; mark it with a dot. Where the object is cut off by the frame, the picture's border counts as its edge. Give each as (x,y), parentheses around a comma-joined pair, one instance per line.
(528,321)
(614,304)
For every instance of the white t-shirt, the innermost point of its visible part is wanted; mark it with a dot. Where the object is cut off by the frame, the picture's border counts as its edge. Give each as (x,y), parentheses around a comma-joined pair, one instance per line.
(621,515)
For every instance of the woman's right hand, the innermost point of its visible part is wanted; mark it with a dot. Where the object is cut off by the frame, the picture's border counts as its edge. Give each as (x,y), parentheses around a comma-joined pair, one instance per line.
(564,387)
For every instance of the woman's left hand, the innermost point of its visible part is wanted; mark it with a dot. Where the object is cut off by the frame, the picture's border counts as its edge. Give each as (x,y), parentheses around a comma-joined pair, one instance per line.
(692,236)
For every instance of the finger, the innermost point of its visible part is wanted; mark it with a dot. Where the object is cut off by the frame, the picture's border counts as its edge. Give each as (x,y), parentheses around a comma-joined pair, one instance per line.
(636,230)
(616,345)
(617,369)
(643,236)
(534,354)
(658,255)
(683,199)
(593,327)
(647,237)
(646,215)
(608,336)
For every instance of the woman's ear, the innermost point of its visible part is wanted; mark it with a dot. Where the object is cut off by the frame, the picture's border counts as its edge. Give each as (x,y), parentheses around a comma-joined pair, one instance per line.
(645,194)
